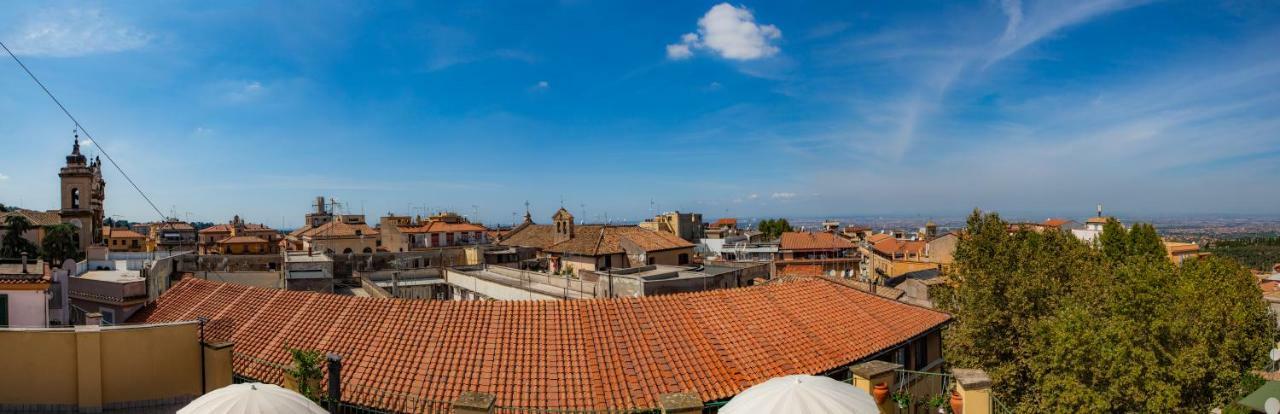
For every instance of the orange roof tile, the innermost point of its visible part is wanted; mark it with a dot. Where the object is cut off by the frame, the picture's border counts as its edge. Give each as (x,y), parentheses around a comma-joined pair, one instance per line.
(242,240)
(1055,222)
(594,240)
(578,354)
(442,227)
(794,240)
(725,222)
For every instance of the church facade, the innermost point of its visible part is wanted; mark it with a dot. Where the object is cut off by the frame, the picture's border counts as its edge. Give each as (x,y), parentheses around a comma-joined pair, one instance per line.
(83,192)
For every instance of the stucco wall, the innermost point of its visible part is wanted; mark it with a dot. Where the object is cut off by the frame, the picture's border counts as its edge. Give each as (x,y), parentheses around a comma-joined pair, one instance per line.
(26,308)
(94,367)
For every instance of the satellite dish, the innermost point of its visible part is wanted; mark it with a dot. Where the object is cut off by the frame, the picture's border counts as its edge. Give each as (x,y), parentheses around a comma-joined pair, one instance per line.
(1275,354)
(1272,405)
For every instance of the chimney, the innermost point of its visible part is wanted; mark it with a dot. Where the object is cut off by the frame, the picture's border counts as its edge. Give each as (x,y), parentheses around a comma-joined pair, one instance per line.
(308,251)
(24,262)
(93,319)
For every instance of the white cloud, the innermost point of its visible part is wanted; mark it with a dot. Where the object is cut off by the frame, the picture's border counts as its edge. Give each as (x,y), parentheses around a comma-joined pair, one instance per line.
(202,132)
(4,177)
(753,196)
(74,32)
(783,196)
(679,51)
(86,142)
(730,32)
(541,86)
(241,91)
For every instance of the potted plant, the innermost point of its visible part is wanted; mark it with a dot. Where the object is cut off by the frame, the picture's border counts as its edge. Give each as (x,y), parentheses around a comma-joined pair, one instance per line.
(901,398)
(938,402)
(880,392)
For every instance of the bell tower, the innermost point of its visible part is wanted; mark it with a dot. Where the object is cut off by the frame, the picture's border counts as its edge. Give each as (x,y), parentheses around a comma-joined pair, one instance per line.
(564,225)
(81,188)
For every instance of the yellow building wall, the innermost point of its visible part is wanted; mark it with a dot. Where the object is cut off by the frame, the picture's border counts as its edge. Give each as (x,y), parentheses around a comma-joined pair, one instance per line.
(92,367)
(39,367)
(150,363)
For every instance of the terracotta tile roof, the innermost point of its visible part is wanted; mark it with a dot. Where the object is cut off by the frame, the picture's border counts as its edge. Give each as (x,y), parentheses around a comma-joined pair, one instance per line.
(1055,222)
(242,240)
(1100,220)
(37,218)
(577,354)
(892,246)
(442,227)
(538,236)
(876,238)
(725,222)
(337,229)
(794,240)
(594,240)
(226,228)
(121,233)
(882,291)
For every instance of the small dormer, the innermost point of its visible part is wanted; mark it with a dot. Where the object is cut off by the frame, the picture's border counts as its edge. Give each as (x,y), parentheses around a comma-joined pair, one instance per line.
(564,225)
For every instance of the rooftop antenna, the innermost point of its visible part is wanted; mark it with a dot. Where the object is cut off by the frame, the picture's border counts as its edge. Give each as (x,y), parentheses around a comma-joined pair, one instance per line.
(583,208)
(1099,210)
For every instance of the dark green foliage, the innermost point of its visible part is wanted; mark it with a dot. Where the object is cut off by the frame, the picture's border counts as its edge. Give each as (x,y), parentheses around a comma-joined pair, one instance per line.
(13,244)
(1259,253)
(61,243)
(773,228)
(1063,327)
(3,208)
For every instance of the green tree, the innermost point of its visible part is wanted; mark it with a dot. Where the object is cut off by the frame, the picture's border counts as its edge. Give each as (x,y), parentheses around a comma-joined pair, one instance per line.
(1114,240)
(13,244)
(61,242)
(1062,326)
(1143,241)
(773,228)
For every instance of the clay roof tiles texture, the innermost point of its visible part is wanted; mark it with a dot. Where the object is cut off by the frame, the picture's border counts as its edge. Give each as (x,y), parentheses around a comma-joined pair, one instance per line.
(795,240)
(581,354)
(37,218)
(595,240)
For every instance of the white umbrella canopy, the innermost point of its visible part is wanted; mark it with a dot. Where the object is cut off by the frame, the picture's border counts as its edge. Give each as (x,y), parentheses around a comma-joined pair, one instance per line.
(252,398)
(806,394)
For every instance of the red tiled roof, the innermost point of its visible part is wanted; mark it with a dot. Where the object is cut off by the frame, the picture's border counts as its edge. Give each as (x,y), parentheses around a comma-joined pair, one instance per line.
(1055,222)
(578,354)
(121,233)
(226,228)
(336,229)
(538,236)
(725,222)
(242,240)
(794,240)
(442,227)
(892,246)
(37,218)
(594,240)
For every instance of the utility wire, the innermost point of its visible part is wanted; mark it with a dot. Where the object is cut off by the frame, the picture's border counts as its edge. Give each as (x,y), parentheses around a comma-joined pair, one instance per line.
(93,140)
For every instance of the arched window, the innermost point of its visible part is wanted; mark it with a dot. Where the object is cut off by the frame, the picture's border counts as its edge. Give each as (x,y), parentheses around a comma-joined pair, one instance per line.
(346,251)
(368,250)
(75,198)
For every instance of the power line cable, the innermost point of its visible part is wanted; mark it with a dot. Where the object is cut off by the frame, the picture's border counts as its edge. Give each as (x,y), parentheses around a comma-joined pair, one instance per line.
(92,140)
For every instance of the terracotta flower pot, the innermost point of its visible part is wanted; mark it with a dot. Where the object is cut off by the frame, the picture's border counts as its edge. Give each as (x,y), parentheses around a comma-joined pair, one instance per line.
(881,392)
(957,403)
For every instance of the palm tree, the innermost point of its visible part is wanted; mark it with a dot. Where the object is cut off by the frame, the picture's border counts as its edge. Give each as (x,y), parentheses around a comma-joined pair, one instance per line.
(61,243)
(13,244)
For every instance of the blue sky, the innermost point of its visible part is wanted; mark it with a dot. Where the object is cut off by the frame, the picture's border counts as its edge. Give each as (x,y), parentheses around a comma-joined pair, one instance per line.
(792,108)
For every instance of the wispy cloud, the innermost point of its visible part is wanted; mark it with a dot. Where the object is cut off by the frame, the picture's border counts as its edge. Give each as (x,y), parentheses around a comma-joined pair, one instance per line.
(4,177)
(74,32)
(783,196)
(1046,18)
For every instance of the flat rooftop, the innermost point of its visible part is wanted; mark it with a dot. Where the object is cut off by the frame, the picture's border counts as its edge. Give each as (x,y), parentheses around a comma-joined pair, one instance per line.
(114,276)
(303,257)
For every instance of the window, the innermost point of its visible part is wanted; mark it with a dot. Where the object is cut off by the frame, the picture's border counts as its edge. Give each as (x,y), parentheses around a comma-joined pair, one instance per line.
(4,310)
(920,353)
(346,251)
(75,198)
(684,258)
(108,316)
(368,250)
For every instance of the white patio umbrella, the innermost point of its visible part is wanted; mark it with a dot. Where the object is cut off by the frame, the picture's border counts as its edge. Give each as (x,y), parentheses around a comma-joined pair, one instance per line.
(252,398)
(802,394)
